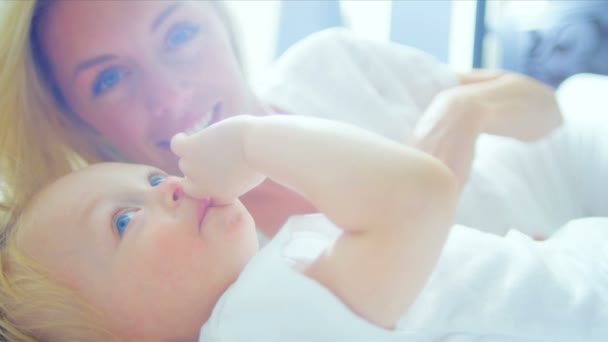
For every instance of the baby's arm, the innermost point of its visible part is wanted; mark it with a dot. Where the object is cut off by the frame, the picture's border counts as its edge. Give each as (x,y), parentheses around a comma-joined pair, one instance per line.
(511,104)
(494,102)
(393,202)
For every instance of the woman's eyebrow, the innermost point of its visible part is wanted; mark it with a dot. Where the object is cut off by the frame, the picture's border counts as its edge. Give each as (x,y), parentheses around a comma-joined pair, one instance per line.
(104,58)
(91,63)
(163,15)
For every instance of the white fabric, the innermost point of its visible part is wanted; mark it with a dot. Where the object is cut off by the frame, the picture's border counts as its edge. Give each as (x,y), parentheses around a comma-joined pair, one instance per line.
(584,95)
(334,74)
(484,288)
(537,187)
(512,288)
(271,301)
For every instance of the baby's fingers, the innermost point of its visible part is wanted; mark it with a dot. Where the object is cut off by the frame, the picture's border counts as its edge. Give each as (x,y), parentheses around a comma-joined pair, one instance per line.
(192,189)
(179,144)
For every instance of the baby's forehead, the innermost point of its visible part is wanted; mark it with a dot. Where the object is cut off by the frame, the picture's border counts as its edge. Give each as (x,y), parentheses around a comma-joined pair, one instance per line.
(104,172)
(86,180)
(73,194)
(109,169)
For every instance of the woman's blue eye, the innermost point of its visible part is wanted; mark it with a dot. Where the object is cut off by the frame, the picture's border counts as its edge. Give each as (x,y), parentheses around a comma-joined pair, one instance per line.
(123,221)
(106,80)
(180,35)
(156,180)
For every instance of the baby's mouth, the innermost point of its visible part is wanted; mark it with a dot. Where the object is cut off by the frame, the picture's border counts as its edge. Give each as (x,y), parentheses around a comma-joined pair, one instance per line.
(204,205)
(210,118)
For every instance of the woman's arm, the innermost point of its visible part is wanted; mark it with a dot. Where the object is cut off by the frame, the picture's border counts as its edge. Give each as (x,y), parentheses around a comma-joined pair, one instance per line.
(394,203)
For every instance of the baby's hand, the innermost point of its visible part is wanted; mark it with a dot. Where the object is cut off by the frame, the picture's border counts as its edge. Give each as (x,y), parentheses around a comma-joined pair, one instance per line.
(213,161)
(448,130)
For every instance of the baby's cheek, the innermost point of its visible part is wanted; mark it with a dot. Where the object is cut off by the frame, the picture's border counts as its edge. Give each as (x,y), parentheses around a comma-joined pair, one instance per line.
(169,267)
(168,248)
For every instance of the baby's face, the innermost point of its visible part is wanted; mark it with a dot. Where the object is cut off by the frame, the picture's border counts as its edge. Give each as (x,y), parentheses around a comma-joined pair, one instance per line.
(131,242)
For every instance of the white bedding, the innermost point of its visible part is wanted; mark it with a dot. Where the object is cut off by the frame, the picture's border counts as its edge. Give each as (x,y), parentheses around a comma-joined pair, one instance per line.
(584,95)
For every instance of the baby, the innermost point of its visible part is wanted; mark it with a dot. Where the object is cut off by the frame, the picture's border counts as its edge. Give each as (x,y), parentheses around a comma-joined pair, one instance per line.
(127,252)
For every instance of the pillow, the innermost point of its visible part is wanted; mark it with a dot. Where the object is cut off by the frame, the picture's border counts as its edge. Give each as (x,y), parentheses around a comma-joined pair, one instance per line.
(584,96)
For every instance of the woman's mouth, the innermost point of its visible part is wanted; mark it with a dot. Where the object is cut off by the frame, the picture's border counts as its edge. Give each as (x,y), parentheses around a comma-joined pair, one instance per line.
(210,118)
(207,120)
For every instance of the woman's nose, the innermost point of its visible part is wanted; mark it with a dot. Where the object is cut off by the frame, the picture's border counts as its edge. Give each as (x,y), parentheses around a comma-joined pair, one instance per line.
(164,96)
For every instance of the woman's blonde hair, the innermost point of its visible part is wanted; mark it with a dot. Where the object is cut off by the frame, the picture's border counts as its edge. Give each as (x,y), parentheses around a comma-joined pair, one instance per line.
(33,307)
(38,143)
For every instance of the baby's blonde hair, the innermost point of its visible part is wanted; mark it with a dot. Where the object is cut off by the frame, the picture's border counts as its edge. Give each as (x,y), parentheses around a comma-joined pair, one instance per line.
(33,307)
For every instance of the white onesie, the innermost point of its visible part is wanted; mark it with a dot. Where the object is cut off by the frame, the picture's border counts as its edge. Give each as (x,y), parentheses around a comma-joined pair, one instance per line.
(484,288)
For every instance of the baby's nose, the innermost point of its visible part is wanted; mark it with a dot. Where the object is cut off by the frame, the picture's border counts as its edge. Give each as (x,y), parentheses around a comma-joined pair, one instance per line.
(173,191)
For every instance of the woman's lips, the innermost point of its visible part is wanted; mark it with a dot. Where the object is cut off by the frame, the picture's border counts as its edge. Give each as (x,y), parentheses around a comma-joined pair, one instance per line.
(210,118)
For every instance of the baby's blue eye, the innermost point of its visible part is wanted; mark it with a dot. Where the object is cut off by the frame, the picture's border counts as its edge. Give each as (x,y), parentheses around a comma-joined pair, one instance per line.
(156,180)
(180,35)
(123,221)
(106,80)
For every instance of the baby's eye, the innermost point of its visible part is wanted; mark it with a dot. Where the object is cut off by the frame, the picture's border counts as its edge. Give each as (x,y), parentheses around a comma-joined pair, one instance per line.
(180,34)
(155,180)
(106,80)
(122,222)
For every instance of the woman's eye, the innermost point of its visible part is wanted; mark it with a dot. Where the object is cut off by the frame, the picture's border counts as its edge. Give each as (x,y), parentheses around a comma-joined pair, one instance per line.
(180,34)
(106,80)
(156,180)
(122,222)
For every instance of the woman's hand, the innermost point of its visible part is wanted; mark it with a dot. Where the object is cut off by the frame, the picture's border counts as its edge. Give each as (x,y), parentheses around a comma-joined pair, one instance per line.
(213,161)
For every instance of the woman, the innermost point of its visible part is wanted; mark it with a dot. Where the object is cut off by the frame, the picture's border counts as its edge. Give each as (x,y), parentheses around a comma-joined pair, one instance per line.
(85,81)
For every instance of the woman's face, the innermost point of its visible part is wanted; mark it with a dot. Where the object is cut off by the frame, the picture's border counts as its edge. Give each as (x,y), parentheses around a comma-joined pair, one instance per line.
(138,72)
